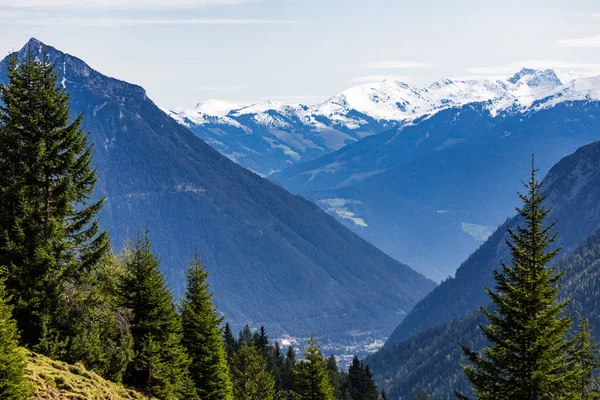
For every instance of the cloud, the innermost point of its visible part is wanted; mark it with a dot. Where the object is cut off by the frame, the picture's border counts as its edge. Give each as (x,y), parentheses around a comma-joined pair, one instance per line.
(118,4)
(587,69)
(398,65)
(215,87)
(584,42)
(379,78)
(132,22)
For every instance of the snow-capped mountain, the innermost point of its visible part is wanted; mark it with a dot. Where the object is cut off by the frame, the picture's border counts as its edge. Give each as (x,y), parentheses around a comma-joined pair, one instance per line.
(269,137)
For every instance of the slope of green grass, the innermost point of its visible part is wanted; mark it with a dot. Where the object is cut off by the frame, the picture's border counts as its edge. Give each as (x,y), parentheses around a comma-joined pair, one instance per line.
(56,380)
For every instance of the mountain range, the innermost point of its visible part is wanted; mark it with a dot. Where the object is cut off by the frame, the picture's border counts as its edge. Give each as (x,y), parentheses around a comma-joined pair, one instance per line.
(425,348)
(425,174)
(275,259)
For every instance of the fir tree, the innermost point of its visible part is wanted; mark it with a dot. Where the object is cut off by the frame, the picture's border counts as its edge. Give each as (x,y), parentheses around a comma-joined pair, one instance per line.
(334,376)
(160,365)
(383,395)
(202,337)
(49,231)
(250,377)
(277,366)
(586,357)
(312,379)
(13,381)
(527,358)
(229,340)
(246,336)
(360,381)
(289,378)
(261,341)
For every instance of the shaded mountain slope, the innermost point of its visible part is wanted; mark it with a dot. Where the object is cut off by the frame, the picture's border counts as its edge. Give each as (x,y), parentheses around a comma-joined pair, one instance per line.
(275,258)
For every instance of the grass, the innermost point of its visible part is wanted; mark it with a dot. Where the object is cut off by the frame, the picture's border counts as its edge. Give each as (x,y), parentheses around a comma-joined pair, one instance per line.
(53,380)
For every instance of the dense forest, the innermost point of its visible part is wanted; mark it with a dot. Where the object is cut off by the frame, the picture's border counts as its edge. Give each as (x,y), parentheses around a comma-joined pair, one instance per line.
(66,295)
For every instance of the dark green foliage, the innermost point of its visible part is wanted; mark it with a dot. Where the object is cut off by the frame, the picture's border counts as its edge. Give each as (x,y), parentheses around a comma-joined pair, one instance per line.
(246,336)
(261,341)
(160,364)
(312,378)
(334,376)
(229,341)
(289,378)
(13,381)
(49,232)
(586,357)
(208,370)
(96,322)
(360,383)
(277,366)
(250,376)
(528,356)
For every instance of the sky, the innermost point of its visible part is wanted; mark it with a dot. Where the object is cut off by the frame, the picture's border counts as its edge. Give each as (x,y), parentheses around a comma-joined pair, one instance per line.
(305,51)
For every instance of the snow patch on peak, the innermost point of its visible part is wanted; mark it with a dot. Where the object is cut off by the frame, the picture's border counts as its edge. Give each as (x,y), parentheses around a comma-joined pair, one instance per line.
(214,107)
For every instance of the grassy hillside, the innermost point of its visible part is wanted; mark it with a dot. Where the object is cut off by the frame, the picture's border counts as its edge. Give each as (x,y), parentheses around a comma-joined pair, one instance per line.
(56,380)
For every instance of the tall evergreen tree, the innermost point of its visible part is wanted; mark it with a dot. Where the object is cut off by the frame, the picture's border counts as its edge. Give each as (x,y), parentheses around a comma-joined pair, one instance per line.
(13,381)
(334,376)
(528,356)
(360,382)
(246,336)
(312,379)
(229,340)
(289,378)
(250,376)
(586,357)
(49,231)
(160,364)
(202,337)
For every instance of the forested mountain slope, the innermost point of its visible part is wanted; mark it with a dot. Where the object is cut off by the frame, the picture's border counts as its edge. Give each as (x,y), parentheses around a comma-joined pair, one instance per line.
(275,259)
(572,188)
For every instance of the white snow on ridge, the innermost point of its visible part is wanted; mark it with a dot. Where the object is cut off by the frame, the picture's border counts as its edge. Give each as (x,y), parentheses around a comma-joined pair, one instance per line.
(397,101)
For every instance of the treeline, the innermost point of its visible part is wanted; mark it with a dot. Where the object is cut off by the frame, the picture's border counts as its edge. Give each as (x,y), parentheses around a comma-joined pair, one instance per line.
(65,294)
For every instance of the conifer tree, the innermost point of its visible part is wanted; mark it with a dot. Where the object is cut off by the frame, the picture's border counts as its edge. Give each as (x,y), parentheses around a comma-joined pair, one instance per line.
(49,231)
(289,378)
(360,380)
(13,381)
(277,366)
(312,379)
(208,370)
(586,357)
(160,364)
(261,341)
(383,395)
(528,356)
(250,376)
(334,376)
(229,341)
(246,336)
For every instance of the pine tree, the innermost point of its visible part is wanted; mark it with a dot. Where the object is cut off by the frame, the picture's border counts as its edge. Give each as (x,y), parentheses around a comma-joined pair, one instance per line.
(586,357)
(202,337)
(360,381)
(383,395)
(527,358)
(160,365)
(246,336)
(261,341)
(49,231)
(13,381)
(334,376)
(312,379)
(229,340)
(289,378)
(277,367)
(250,377)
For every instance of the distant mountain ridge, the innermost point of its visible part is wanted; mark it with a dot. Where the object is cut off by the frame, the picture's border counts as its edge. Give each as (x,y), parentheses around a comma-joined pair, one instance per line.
(429,355)
(274,258)
(268,137)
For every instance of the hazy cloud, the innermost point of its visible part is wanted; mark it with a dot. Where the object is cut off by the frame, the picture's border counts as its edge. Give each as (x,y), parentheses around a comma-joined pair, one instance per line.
(510,69)
(587,42)
(398,64)
(118,4)
(116,22)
